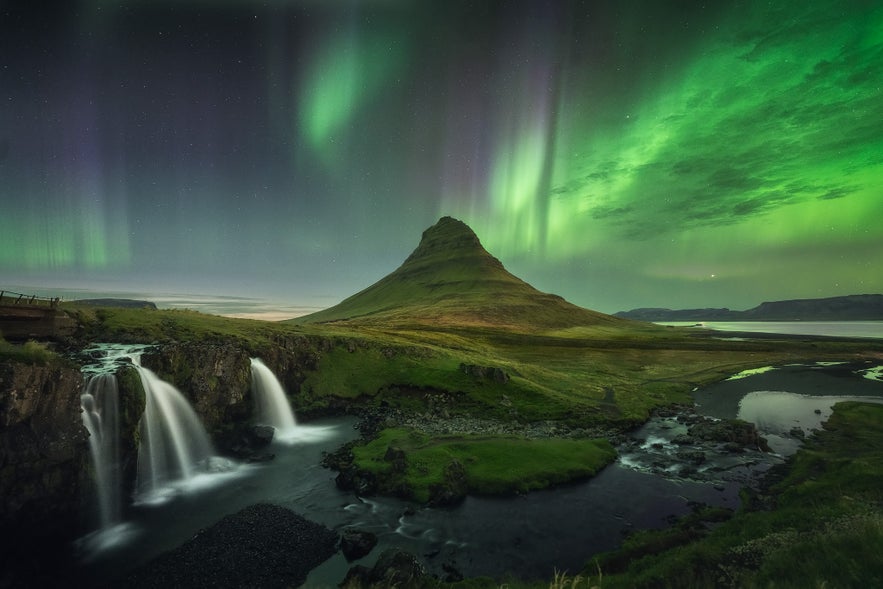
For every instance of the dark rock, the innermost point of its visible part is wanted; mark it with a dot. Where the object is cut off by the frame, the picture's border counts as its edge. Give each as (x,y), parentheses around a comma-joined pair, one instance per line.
(454,487)
(357,543)
(797,432)
(214,377)
(262,435)
(261,546)
(262,457)
(485,372)
(691,456)
(397,568)
(452,574)
(44,468)
(396,456)
(733,431)
(363,483)
(357,577)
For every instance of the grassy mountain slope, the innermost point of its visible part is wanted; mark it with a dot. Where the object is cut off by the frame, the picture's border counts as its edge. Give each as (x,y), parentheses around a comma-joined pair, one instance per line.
(451,280)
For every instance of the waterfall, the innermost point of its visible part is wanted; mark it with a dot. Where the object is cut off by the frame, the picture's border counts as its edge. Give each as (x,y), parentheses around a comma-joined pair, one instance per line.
(174,445)
(272,404)
(101,418)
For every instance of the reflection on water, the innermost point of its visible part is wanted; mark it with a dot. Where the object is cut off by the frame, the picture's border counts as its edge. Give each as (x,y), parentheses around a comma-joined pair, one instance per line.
(788,402)
(777,413)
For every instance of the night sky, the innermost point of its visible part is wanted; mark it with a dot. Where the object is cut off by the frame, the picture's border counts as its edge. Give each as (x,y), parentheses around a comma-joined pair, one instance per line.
(620,154)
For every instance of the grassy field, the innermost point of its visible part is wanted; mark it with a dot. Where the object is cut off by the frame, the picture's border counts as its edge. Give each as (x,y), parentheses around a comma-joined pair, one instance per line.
(583,375)
(415,462)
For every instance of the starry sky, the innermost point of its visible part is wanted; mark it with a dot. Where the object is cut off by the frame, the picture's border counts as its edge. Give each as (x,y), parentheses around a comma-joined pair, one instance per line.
(290,153)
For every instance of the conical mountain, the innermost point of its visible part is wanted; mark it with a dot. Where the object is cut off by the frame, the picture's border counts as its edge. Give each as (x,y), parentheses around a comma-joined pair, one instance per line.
(451,280)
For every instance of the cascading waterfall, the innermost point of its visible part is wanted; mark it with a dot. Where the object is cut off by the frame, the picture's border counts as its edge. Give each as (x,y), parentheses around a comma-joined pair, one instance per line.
(174,444)
(273,407)
(101,417)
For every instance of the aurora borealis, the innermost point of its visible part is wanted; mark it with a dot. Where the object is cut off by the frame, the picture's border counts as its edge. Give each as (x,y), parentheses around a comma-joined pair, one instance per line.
(620,154)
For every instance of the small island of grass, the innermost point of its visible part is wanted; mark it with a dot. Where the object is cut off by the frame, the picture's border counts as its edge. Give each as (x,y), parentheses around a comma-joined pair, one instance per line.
(443,469)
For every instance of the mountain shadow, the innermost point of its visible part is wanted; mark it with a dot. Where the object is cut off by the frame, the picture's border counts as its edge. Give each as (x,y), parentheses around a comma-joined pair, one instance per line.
(451,280)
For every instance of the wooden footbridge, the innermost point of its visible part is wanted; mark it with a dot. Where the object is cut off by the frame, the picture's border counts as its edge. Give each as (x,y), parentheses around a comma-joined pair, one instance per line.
(24,316)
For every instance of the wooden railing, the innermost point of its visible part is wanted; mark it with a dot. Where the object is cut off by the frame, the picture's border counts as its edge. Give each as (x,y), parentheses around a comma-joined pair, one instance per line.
(7,297)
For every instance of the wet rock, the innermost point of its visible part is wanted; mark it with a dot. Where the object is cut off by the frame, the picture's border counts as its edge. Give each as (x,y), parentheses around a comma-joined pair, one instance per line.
(452,574)
(692,456)
(361,482)
(683,440)
(357,543)
(797,432)
(262,435)
(397,568)
(731,431)
(260,457)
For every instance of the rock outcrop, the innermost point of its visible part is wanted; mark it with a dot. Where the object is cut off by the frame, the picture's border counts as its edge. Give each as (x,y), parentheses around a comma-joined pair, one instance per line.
(214,377)
(44,465)
(394,568)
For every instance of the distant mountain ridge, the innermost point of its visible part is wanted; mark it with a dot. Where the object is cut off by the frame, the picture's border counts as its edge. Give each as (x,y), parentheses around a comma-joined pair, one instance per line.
(865,307)
(451,280)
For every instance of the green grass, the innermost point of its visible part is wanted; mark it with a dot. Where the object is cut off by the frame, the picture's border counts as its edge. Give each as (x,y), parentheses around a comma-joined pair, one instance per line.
(166,325)
(492,465)
(825,528)
(581,375)
(31,352)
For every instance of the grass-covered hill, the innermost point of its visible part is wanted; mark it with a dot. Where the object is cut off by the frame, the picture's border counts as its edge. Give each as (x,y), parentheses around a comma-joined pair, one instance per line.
(451,280)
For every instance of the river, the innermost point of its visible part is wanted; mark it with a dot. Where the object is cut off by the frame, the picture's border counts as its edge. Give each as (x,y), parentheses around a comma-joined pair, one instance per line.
(528,536)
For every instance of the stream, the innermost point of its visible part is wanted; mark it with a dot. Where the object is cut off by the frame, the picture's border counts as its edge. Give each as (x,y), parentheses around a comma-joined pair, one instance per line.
(528,536)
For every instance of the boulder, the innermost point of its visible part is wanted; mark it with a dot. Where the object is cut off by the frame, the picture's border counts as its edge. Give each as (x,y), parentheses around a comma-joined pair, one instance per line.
(394,568)
(357,543)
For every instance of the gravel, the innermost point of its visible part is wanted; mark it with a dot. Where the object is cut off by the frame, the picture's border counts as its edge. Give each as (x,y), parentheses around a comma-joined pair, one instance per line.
(261,546)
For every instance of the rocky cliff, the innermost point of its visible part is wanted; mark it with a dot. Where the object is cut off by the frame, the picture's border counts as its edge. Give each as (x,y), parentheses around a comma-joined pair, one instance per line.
(44,463)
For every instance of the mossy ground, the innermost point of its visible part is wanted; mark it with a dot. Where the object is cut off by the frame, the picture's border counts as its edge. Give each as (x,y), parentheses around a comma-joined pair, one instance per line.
(492,465)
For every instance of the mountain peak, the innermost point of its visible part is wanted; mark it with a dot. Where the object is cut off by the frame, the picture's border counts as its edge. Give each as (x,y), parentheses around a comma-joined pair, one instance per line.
(450,239)
(451,280)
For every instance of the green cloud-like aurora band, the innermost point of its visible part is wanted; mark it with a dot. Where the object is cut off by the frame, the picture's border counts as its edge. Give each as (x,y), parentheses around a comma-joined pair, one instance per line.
(769,133)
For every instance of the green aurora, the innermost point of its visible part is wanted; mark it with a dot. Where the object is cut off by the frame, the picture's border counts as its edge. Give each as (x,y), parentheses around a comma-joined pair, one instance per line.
(655,154)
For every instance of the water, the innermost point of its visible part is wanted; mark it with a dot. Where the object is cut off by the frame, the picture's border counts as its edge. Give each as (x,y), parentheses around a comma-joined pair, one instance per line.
(293,479)
(101,417)
(273,407)
(528,536)
(782,400)
(778,414)
(175,451)
(869,329)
